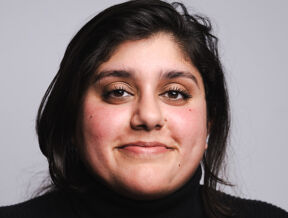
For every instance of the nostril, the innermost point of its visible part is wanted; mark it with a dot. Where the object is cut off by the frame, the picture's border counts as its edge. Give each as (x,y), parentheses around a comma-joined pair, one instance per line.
(140,127)
(158,126)
(146,127)
(147,116)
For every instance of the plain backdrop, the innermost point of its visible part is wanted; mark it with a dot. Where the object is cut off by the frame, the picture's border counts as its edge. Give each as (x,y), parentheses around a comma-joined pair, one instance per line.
(253,47)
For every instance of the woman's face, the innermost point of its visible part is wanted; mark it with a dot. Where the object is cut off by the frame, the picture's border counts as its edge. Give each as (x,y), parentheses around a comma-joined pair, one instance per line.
(144,119)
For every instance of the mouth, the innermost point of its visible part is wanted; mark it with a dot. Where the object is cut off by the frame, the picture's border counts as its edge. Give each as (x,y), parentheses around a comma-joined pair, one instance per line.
(145,148)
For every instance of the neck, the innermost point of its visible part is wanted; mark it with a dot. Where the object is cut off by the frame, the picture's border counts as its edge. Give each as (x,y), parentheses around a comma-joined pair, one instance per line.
(184,201)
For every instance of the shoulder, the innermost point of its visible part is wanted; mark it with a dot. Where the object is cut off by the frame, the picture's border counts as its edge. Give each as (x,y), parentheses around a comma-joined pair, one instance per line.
(253,208)
(51,204)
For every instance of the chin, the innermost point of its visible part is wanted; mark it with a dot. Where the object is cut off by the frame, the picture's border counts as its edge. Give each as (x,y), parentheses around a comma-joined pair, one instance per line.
(141,191)
(145,185)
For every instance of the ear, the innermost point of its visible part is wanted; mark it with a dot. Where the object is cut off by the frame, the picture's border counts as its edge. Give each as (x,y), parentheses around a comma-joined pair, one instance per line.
(209,123)
(208,134)
(207,140)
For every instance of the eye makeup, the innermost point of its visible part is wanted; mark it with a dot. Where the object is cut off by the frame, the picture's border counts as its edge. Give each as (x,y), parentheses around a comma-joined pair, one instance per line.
(116,93)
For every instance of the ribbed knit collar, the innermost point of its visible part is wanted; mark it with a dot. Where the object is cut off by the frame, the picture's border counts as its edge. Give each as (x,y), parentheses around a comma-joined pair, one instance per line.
(103,202)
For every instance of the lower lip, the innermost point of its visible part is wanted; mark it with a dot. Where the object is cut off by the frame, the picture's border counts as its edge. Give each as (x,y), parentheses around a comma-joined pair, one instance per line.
(139,150)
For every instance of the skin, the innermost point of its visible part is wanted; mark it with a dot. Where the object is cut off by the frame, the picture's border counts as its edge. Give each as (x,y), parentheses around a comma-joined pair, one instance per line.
(145,132)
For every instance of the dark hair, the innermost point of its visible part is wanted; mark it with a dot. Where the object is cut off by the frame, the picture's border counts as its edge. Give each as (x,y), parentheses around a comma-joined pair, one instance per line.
(59,114)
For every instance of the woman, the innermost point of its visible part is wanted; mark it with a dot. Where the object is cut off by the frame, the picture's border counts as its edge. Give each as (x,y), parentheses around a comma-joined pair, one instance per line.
(136,112)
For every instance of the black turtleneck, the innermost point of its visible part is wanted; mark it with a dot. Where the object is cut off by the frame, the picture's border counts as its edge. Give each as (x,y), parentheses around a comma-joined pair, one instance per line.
(102,202)
(106,202)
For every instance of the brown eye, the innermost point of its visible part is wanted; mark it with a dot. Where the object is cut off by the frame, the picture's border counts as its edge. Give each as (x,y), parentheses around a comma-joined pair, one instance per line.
(118,93)
(176,95)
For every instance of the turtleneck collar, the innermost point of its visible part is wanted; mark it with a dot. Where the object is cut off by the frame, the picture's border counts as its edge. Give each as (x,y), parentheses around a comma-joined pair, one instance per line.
(104,202)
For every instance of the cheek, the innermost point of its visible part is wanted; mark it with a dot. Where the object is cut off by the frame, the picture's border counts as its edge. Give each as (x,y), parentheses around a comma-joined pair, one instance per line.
(188,125)
(101,123)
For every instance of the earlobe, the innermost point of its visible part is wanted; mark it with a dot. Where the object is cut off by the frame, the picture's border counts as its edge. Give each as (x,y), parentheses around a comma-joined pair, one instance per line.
(207,141)
(208,133)
(208,127)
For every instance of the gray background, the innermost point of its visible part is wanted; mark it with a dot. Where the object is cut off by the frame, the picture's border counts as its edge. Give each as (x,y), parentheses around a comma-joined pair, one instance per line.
(253,45)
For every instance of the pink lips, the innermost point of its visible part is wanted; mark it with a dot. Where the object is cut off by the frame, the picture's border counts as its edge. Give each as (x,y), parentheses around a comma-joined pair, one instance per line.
(146,148)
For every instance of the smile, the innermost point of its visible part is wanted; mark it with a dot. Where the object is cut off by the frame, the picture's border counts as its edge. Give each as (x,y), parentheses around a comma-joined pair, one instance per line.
(144,148)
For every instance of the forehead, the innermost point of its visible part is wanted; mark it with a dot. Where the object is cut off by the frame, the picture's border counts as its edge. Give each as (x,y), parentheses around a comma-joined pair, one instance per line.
(150,58)
(159,50)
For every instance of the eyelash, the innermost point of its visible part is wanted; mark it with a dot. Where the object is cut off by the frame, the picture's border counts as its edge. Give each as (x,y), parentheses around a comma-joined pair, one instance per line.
(185,94)
(107,94)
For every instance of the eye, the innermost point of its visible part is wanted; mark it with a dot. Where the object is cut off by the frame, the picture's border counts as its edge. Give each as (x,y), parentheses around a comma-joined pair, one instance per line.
(176,94)
(116,94)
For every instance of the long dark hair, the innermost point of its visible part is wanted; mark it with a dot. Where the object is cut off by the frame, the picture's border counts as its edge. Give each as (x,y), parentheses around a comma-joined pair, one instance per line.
(59,114)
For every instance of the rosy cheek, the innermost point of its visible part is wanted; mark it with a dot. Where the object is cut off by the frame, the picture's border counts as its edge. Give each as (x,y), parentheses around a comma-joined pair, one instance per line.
(187,123)
(102,122)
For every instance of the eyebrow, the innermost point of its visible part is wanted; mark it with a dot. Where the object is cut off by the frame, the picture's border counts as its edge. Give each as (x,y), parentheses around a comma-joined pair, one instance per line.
(112,73)
(177,74)
(126,74)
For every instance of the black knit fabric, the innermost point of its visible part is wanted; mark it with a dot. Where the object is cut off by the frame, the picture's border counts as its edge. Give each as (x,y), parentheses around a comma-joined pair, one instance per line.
(104,203)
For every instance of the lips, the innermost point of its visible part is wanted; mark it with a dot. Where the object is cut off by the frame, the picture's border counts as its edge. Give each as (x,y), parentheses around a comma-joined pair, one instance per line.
(144,148)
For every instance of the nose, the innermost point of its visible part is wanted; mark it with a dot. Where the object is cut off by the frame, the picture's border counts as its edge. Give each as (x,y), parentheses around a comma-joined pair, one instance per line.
(147,115)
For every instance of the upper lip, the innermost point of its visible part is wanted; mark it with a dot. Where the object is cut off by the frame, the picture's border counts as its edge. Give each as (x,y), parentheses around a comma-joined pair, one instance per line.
(145,144)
